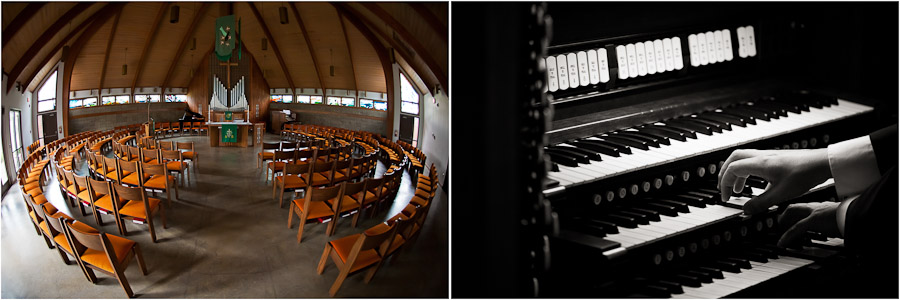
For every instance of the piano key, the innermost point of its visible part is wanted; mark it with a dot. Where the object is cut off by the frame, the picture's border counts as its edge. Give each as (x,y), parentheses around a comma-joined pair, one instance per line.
(593,66)
(655,138)
(648,214)
(562,71)
(741,262)
(583,72)
(744,112)
(726,44)
(607,227)
(694,50)
(669,56)
(602,147)
(572,61)
(641,219)
(718,124)
(769,105)
(552,83)
(660,55)
(625,141)
(683,132)
(688,199)
(661,209)
(726,266)
(579,157)
(587,240)
(687,280)
(650,56)
(639,54)
(746,119)
(676,53)
(730,119)
(662,133)
(649,141)
(622,61)
(592,155)
(690,126)
(623,149)
(563,159)
(632,61)
(680,207)
(710,48)
(620,220)
(603,61)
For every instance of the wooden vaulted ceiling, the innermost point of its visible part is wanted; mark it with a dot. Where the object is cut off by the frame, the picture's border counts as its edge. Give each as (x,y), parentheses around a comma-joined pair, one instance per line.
(105,35)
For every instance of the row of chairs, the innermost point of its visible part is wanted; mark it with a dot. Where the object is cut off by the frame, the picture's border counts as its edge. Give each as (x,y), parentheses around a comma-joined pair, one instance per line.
(415,156)
(177,156)
(370,249)
(170,128)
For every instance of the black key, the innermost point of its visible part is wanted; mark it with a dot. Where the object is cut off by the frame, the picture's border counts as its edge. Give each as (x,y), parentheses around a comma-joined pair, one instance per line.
(690,126)
(746,120)
(657,130)
(723,118)
(741,111)
(607,227)
(591,229)
(550,182)
(757,183)
(755,256)
(652,142)
(767,101)
(687,280)
(714,272)
(709,199)
(724,125)
(679,206)
(554,167)
(689,200)
(658,140)
(603,147)
(712,126)
(588,240)
(593,155)
(686,132)
(726,266)
(620,220)
(563,159)
(741,262)
(625,141)
(768,113)
(579,157)
(713,192)
(775,109)
(655,291)
(651,215)
(666,210)
(817,236)
(672,287)
(638,217)
(769,253)
(797,107)
(705,277)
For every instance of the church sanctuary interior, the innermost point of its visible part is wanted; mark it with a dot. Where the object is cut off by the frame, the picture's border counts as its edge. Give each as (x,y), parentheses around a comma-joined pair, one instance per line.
(225,150)
(610,133)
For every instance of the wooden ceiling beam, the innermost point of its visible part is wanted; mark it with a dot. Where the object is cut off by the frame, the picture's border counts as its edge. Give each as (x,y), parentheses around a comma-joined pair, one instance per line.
(23,17)
(432,64)
(426,14)
(262,23)
(112,35)
(44,39)
(349,52)
(184,42)
(312,52)
(149,41)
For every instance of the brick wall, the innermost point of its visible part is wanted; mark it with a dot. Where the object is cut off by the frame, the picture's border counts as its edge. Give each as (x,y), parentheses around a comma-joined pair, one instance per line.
(108,117)
(352,118)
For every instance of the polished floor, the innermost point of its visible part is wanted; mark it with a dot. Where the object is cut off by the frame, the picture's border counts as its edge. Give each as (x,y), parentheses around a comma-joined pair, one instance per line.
(226,238)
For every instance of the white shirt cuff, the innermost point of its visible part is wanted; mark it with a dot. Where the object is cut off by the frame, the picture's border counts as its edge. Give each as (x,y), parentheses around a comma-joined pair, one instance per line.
(842,213)
(853,166)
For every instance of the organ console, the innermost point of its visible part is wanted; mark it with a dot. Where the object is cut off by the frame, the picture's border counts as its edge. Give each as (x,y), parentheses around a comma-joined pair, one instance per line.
(646,107)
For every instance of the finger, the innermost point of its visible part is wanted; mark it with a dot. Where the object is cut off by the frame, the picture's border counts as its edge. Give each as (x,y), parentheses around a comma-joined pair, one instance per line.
(739,184)
(795,235)
(738,169)
(793,214)
(773,195)
(738,154)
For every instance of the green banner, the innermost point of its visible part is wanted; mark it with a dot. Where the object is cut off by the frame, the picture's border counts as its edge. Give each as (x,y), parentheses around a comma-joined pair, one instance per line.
(229,133)
(229,116)
(225,37)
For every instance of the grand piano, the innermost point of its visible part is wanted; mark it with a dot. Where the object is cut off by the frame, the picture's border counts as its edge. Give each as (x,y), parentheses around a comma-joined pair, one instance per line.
(639,104)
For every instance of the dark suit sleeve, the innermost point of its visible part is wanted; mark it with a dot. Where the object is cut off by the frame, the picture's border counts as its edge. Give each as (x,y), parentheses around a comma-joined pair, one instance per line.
(884,143)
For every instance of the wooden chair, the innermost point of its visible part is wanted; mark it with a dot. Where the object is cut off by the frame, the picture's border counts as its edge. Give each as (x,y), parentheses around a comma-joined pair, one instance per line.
(73,189)
(203,128)
(341,172)
(84,197)
(160,181)
(291,179)
(279,159)
(163,129)
(350,205)
(134,178)
(321,174)
(374,188)
(175,127)
(264,154)
(166,145)
(134,153)
(175,163)
(104,252)
(190,154)
(102,198)
(132,204)
(111,163)
(150,156)
(354,253)
(38,218)
(316,206)
(195,127)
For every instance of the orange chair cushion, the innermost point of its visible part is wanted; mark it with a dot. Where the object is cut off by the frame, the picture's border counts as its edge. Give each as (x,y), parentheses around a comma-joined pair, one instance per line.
(104,202)
(348,204)
(43,225)
(187,155)
(338,176)
(132,179)
(31,186)
(72,191)
(422,186)
(136,208)
(317,209)
(344,245)
(176,166)
(292,182)
(418,201)
(84,195)
(317,179)
(61,238)
(158,182)
(277,166)
(115,176)
(266,155)
(98,258)
(423,194)
(39,199)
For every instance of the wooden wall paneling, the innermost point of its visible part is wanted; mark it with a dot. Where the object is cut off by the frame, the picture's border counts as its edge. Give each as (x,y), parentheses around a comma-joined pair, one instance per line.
(198,89)
(349,52)
(22,17)
(112,36)
(184,41)
(259,94)
(312,51)
(30,31)
(44,39)
(434,23)
(86,69)
(274,45)
(151,36)
(366,64)
(322,23)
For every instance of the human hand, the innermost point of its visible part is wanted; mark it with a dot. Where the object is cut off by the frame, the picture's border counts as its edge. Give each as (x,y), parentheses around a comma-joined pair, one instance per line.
(790,173)
(803,217)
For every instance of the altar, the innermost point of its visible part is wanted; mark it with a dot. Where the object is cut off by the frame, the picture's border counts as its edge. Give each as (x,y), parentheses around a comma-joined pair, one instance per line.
(234,134)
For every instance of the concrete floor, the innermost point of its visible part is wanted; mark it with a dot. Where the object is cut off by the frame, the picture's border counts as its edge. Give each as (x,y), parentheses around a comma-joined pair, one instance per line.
(226,238)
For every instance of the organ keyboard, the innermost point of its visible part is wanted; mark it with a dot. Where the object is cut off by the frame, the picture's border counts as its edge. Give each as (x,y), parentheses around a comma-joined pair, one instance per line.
(642,123)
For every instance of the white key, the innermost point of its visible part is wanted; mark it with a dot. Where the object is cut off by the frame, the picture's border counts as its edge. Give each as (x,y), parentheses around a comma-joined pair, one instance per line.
(650,55)
(593,66)
(751,41)
(694,50)
(563,72)
(720,47)
(726,43)
(639,53)
(676,53)
(572,61)
(632,61)
(622,60)
(710,47)
(604,65)
(660,56)
(583,77)
(701,49)
(670,60)
(552,83)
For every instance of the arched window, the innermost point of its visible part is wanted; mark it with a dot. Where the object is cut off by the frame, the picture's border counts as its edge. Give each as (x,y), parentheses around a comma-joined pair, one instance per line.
(409,96)
(47,94)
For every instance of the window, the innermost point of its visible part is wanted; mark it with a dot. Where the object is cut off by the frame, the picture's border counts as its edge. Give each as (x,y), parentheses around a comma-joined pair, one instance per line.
(144,98)
(302,99)
(372,104)
(348,101)
(409,97)
(122,99)
(282,98)
(381,105)
(107,100)
(275,98)
(176,98)
(365,103)
(334,100)
(90,102)
(86,102)
(47,94)
(315,99)
(15,134)
(76,103)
